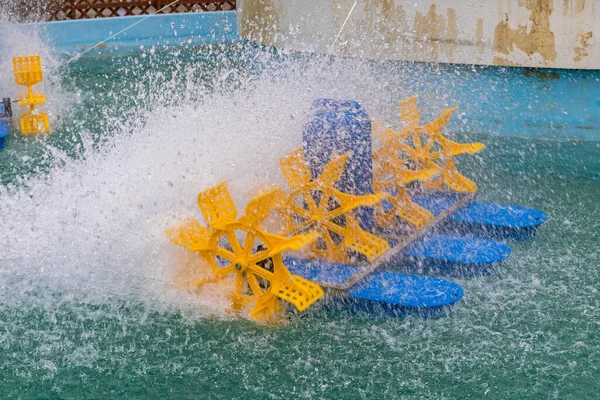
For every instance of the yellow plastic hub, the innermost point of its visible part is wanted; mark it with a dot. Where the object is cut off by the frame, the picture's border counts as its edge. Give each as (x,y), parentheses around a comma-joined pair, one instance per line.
(364,242)
(32,100)
(191,235)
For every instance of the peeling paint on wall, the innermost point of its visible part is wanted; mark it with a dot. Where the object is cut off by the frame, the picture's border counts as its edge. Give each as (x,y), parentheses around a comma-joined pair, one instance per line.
(539,38)
(431,26)
(451,33)
(260,20)
(438,31)
(584,42)
(340,9)
(479,36)
(385,23)
(577,6)
(503,62)
(533,33)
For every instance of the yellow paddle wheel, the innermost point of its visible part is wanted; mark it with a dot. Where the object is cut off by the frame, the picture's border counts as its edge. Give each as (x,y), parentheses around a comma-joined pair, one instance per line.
(240,247)
(417,154)
(28,72)
(388,178)
(315,205)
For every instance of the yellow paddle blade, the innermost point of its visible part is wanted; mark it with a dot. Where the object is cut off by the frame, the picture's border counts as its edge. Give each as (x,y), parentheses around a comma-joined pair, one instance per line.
(35,123)
(217,205)
(191,235)
(455,180)
(436,184)
(379,130)
(28,70)
(280,198)
(333,170)
(296,242)
(410,211)
(294,169)
(409,112)
(298,291)
(194,284)
(452,148)
(364,242)
(441,121)
(267,306)
(239,302)
(402,177)
(350,201)
(404,208)
(259,208)
(426,174)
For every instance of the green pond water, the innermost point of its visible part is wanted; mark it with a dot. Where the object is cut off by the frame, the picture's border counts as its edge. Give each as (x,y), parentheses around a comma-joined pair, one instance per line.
(83,313)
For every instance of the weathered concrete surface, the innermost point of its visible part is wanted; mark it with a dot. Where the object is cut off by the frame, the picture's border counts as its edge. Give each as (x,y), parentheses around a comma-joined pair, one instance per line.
(529,33)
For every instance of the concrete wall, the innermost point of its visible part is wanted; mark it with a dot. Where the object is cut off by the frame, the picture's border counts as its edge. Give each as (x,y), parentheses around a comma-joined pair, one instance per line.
(531,33)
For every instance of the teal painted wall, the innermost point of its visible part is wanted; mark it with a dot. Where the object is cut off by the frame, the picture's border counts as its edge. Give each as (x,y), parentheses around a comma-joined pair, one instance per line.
(555,104)
(156,30)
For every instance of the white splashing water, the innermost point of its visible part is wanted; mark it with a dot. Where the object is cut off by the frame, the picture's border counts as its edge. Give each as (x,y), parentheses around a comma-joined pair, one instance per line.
(95,227)
(99,224)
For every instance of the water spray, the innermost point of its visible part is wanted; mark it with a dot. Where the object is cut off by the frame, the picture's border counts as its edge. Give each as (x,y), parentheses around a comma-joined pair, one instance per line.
(342,28)
(75,57)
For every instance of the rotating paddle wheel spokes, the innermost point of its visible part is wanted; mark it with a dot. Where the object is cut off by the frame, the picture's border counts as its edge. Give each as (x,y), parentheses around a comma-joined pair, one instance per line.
(422,148)
(398,207)
(315,205)
(240,247)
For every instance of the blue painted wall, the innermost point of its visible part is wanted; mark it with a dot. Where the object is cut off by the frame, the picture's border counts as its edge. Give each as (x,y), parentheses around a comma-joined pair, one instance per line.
(164,29)
(556,104)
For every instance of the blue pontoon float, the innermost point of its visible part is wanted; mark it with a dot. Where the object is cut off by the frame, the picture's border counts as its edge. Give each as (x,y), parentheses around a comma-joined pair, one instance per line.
(5,115)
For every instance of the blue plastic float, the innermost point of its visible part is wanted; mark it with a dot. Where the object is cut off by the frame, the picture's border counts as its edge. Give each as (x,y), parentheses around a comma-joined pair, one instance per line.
(492,221)
(394,290)
(5,114)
